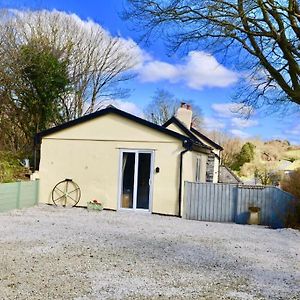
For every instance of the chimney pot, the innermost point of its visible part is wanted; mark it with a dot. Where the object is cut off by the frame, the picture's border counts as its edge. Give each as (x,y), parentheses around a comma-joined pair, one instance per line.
(184,114)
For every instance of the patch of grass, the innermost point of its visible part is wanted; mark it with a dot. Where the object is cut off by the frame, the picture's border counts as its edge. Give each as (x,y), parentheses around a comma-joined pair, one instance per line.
(292,154)
(10,167)
(294,166)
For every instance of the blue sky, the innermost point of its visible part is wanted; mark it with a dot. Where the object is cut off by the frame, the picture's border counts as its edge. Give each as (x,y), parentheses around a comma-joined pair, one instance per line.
(195,75)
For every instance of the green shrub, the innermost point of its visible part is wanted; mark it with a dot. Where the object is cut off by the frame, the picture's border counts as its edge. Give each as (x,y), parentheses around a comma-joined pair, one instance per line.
(246,155)
(291,159)
(10,167)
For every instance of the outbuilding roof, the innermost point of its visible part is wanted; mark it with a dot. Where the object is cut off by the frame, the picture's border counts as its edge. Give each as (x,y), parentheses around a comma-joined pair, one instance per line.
(192,133)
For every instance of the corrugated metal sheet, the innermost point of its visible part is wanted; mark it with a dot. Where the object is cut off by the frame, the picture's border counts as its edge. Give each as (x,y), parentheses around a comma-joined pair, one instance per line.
(231,202)
(18,195)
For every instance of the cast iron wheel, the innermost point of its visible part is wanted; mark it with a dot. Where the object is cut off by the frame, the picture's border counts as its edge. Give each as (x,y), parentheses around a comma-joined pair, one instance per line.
(66,193)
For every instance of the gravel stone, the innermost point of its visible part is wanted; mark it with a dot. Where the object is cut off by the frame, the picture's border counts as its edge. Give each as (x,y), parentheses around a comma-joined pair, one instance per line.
(69,253)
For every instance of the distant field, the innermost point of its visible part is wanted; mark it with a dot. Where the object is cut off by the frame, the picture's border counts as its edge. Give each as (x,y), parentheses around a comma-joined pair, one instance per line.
(293,154)
(295,165)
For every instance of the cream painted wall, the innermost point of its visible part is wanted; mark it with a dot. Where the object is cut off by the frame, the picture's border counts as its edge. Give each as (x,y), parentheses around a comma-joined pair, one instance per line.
(175,128)
(112,127)
(89,154)
(216,167)
(216,161)
(190,163)
(189,170)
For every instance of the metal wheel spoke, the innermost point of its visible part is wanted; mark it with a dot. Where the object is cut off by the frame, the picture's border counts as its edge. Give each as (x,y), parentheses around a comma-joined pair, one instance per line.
(61,195)
(57,188)
(73,191)
(59,198)
(71,198)
(58,194)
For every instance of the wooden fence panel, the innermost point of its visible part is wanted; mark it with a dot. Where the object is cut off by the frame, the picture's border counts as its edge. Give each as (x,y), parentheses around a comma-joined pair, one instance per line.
(20,194)
(231,202)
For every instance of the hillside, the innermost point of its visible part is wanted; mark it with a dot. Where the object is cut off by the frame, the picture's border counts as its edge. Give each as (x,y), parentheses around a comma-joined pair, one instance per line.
(294,153)
(276,157)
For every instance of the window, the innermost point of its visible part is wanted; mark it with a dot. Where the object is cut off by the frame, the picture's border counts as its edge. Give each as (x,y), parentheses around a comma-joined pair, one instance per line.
(198,169)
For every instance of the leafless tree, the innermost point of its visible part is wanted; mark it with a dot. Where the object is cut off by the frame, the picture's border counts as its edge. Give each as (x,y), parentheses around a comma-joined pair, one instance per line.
(262,35)
(231,146)
(98,62)
(164,105)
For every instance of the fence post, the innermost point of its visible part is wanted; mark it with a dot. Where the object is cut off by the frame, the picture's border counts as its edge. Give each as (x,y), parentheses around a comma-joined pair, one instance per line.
(236,203)
(37,186)
(18,194)
(186,210)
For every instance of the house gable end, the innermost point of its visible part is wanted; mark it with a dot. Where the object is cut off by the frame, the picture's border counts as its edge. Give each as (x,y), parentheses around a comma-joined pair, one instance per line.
(120,125)
(175,128)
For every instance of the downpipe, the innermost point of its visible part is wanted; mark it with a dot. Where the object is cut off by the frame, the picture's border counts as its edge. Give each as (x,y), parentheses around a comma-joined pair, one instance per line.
(188,146)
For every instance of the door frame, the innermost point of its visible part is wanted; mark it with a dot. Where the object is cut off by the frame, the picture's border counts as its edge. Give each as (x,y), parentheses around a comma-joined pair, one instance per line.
(136,167)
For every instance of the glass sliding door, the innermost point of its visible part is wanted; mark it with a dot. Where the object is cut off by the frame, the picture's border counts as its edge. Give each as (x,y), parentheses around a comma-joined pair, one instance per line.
(143,182)
(128,166)
(136,179)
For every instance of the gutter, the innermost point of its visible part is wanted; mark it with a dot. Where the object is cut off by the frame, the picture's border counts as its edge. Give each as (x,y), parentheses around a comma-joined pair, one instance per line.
(187,144)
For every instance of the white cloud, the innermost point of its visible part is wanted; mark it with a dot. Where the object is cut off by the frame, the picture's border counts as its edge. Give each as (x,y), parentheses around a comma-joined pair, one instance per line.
(243,123)
(83,35)
(240,133)
(127,106)
(231,110)
(157,70)
(203,70)
(293,131)
(212,124)
(229,115)
(199,70)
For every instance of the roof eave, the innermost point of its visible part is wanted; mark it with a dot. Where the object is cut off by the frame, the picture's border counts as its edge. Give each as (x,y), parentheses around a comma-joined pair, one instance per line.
(184,129)
(102,112)
(214,144)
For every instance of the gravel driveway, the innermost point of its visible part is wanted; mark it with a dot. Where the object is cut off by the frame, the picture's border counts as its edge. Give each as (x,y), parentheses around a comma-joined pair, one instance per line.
(56,253)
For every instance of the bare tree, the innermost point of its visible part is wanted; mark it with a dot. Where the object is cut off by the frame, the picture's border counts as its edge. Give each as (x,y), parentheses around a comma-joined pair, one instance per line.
(164,105)
(98,62)
(95,62)
(266,174)
(262,35)
(231,146)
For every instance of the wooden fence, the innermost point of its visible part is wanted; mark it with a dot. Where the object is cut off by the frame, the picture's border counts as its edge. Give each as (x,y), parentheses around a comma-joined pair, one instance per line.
(20,194)
(218,202)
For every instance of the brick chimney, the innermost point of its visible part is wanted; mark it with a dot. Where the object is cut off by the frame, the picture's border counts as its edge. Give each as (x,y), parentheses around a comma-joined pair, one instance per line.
(184,114)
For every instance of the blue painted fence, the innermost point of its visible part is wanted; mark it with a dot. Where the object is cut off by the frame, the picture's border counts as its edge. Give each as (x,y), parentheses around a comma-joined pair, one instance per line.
(218,202)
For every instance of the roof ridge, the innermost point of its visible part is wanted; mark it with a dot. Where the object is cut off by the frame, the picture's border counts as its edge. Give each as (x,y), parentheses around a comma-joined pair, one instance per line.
(101,112)
(186,130)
